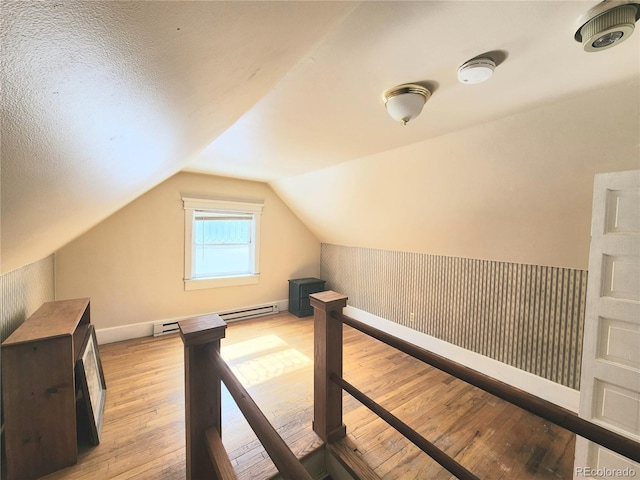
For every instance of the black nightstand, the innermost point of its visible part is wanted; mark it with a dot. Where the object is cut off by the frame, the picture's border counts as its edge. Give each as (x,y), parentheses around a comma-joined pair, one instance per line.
(299,290)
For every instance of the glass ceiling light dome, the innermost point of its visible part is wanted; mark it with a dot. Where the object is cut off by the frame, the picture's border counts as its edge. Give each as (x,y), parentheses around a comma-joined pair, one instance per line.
(607,24)
(405,102)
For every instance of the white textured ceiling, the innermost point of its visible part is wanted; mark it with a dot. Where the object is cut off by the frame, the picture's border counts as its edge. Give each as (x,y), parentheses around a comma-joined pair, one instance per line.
(329,108)
(101,101)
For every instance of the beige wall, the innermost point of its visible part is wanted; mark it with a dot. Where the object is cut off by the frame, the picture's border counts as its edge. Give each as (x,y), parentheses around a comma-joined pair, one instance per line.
(132,264)
(518,189)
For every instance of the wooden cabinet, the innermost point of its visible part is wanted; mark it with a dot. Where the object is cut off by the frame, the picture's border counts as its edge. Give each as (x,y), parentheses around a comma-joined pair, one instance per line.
(299,290)
(39,391)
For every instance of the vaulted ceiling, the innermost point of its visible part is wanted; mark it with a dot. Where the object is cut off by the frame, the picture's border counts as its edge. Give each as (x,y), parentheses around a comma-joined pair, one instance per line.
(101,101)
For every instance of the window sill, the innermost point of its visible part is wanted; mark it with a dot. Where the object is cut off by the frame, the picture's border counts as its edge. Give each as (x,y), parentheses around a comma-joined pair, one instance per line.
(203,283)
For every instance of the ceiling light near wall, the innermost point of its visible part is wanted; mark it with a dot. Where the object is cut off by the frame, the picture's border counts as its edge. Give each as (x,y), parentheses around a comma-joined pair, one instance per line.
(405,102)
(607,24)
(477,70)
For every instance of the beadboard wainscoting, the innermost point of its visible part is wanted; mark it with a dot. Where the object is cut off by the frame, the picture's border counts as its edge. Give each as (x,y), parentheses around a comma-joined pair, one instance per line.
(528,316)
(23,291)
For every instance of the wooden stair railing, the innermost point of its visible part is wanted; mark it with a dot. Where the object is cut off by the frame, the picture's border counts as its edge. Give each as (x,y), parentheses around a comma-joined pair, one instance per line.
(204,370)
(329,384)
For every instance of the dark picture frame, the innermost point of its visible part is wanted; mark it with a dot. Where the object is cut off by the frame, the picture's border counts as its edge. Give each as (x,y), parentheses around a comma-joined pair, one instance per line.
(91,384)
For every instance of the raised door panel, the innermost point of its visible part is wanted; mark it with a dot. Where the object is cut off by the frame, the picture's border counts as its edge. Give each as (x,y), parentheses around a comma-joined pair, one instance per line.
(621,277)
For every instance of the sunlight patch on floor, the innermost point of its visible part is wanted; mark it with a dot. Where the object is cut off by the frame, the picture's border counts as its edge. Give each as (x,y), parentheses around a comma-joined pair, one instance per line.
(251,347)
(269,366)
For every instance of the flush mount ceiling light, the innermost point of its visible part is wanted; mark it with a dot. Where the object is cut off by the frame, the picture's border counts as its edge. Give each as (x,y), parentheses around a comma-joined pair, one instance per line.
(405,102)
(477,70)
(607,24)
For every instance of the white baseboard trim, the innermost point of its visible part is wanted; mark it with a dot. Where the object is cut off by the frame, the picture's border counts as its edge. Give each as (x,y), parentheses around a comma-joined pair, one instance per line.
(145,329)
(124,332)
(541,387)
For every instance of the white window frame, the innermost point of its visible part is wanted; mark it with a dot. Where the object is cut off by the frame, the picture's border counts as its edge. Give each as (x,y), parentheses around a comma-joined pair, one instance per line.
(191,206)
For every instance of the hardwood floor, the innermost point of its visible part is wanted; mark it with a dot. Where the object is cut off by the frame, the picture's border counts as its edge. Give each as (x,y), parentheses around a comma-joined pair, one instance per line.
(490,437)
(143,430)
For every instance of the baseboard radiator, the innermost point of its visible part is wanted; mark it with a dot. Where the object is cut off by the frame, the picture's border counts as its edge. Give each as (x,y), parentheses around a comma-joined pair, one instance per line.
(164,328)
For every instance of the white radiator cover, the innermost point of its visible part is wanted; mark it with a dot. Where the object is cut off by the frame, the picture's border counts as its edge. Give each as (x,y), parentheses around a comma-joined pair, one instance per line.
(164,328)
(249,312)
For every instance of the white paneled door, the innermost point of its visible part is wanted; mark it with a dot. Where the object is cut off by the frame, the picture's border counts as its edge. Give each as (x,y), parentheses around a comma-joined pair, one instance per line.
(610,378)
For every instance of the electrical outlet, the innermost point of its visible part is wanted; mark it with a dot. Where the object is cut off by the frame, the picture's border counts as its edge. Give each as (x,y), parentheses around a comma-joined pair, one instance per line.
(412,318)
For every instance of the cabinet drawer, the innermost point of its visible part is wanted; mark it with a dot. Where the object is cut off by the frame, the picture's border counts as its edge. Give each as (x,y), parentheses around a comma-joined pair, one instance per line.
(299,290)
(305,290)
(305,305)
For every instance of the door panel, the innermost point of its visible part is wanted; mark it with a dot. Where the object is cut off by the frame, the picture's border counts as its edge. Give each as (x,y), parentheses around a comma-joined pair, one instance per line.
(618,342)
(623,211)
(617,406)
(621,277)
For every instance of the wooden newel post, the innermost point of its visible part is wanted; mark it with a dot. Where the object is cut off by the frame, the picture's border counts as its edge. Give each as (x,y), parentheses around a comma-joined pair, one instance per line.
(201,336)
(327,396)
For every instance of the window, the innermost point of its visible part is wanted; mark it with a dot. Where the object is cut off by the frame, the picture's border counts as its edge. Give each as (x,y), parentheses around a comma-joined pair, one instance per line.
(222,240)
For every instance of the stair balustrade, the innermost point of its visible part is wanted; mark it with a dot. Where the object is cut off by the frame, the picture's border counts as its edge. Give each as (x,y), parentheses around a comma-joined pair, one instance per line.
(204,370)
(329,384)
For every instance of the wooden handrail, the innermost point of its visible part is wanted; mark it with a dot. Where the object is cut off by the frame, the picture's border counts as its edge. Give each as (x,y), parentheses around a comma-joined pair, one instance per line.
(418,440)
(286,462)
(536,405)
(204,370)
(219,456)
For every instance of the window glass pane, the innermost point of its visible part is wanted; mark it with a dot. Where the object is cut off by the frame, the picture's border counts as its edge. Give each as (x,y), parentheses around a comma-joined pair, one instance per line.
(214,261)
(223,231)
(222,244)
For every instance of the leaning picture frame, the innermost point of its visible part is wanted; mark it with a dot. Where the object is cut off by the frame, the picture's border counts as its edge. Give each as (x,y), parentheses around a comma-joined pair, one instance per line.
(91,384)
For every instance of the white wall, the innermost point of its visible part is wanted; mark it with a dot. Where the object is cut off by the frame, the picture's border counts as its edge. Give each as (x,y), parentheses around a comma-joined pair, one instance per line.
(518,189)
(132,264)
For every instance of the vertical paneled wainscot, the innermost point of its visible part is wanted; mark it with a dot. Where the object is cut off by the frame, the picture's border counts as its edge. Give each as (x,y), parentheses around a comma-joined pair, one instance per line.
(528,316)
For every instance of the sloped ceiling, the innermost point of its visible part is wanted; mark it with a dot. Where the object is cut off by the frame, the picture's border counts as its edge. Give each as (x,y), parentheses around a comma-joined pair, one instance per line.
(101,101)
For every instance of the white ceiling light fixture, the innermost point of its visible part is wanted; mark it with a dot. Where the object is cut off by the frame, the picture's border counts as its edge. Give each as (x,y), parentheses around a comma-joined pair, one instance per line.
(607,24)
(477,70)
(405,102)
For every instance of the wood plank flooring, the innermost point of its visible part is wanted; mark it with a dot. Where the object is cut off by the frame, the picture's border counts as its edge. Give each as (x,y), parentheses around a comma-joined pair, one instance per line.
(143,430)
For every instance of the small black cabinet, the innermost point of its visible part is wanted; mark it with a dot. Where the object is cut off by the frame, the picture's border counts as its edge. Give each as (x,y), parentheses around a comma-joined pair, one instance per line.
(299,290)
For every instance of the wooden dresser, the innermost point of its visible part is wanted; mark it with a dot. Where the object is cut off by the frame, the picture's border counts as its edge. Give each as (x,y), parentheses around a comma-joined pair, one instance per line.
(38,389)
